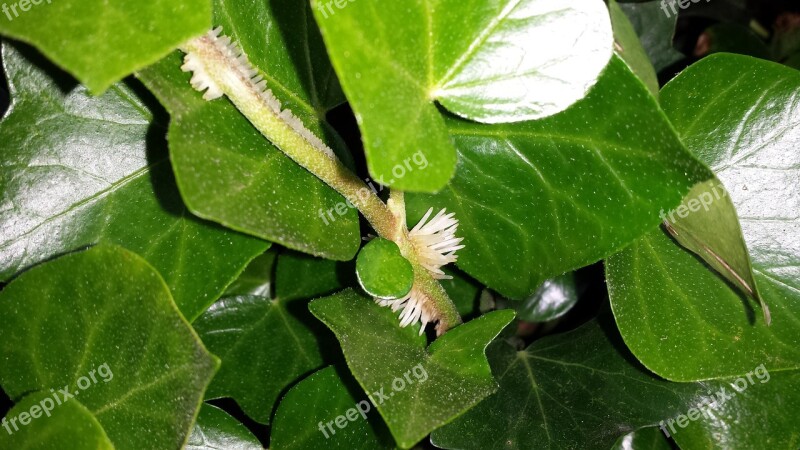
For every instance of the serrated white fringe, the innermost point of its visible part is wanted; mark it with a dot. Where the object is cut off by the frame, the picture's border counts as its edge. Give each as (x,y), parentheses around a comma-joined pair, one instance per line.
(415,309)
(237,61)
(436,244)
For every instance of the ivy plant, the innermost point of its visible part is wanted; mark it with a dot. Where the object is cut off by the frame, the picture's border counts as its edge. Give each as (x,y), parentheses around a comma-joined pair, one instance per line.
(376,224)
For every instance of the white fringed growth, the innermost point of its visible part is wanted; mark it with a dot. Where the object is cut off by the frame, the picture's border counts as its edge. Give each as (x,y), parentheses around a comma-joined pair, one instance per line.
(436,242)
(236,60)
(436,245)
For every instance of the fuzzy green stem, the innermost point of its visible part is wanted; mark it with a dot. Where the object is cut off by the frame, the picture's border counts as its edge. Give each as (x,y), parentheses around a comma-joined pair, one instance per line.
(387,221)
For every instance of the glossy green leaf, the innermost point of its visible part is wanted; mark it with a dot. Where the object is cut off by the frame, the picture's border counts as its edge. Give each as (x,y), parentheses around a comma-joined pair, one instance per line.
(739,115)
(101,41)
(412,386)
(749,141)
(102,325)
(226,170)
(298,427)
(382,271)
(299,276)
(706,223)
(554,298)
(761,411)
(648,438)
(575,390)
(38,423)
(257,278)
(265,345)
(216,430)
(685,322)
(629,48)
(538,199)
(480,59)
(96,170)
(655,22)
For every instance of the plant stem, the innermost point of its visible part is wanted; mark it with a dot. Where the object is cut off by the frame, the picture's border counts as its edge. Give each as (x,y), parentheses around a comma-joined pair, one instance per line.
(387,220)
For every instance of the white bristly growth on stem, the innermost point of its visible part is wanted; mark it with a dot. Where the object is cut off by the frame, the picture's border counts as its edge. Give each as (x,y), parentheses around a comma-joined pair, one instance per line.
(436,242)
(220,67)
(203,81)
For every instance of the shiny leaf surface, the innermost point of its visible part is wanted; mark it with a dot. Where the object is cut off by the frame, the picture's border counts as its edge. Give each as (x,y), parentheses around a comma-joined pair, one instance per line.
(479,59)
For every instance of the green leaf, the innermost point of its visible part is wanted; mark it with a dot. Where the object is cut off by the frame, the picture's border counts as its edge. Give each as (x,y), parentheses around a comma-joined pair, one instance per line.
(684,322)
(102,325)
(575,390)
(215,429)
(382,271)
(706,223)
(95,169)
(748,419)
(100,42)
(222,162)
(265,345)
(256,278)
(412,386)
(656,29)
(46,426)
(299,427)
(463,291)
(629,48)
(526,216)
(749,142)
(648,438)
(299,276)
(554,298)
(480,59)
(739,115)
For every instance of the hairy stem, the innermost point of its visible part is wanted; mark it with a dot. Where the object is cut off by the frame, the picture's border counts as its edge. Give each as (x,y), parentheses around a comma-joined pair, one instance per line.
(387,220)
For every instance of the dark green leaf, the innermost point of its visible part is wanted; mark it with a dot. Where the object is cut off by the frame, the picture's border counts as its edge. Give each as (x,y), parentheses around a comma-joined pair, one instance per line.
(739,115)
(654,22)
(417,383)
(102,325)
(257,278)
(226,170)
(576,390)
(265,345)
(629,48)
(297,426)
(69,426)
(685,322)
(648,438)
(538,199)
(553,299)
(301,276)
(100,42)
(96,170)
(382,270)
(216,430)
(481,59)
